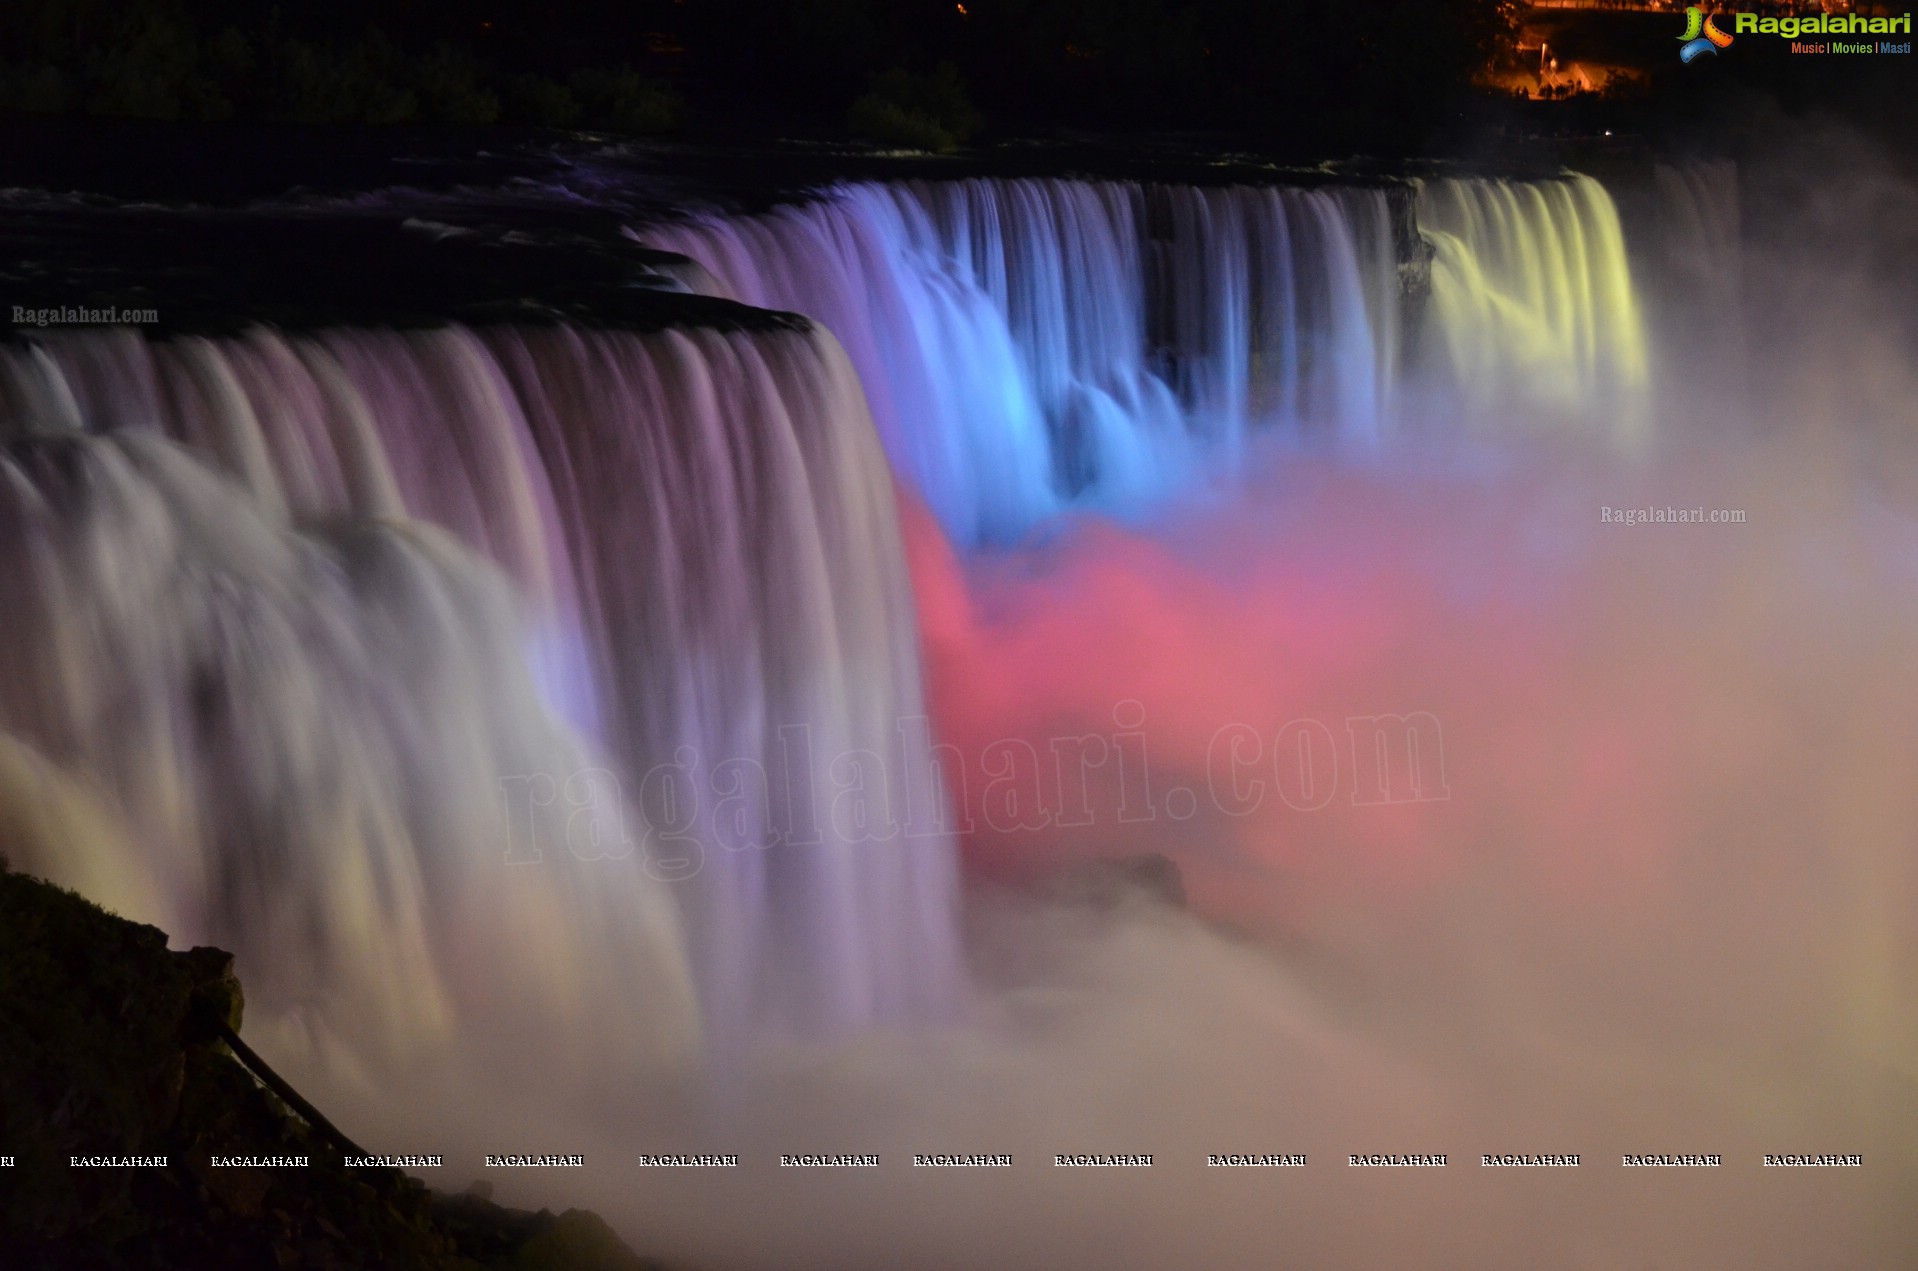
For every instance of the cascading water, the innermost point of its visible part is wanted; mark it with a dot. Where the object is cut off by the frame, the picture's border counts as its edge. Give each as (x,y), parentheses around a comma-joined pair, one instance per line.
(1699,242)
(1689,234)
(704,537)
(703,532)
(1654,898)
(1030,344)
(1532,300)
(289,741)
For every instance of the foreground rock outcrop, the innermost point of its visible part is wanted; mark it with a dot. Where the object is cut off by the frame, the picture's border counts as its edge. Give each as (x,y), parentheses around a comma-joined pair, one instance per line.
(112,1046)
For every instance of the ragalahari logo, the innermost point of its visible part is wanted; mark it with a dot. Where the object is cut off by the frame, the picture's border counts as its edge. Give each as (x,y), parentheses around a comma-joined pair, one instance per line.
(1700,37)
(1791,28)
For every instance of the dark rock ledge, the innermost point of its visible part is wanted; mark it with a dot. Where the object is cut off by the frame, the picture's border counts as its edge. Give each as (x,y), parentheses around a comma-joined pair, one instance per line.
(112,1045)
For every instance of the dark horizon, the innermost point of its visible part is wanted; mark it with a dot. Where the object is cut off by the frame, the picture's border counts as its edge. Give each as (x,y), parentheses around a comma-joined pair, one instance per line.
(1312,80)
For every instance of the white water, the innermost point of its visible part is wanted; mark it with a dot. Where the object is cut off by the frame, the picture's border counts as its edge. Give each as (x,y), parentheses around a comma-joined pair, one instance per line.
(702,534)
(1027,345)
(287,742)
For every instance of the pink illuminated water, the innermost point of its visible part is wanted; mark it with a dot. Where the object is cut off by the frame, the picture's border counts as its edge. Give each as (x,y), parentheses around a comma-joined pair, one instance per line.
(709,583)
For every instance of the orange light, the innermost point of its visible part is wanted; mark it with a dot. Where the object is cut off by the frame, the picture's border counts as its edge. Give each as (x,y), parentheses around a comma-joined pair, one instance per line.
(962,10)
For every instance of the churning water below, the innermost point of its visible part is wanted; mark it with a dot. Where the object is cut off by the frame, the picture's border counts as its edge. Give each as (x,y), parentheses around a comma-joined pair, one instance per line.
(554,719)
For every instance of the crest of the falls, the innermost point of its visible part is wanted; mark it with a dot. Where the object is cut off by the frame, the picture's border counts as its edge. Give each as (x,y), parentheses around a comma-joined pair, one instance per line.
(1030,344)
(315,718)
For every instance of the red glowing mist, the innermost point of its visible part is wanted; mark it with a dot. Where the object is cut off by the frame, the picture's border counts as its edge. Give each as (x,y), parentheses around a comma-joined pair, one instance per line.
(1346,686)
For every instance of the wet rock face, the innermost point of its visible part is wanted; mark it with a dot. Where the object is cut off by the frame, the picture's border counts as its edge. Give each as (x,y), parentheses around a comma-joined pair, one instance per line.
(110,1047)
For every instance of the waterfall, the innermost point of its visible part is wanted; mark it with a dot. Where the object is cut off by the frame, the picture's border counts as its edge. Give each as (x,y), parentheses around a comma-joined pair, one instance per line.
(1029,344)
(241,616)
(1533,310)
(296,609)
(287,741)
(1700,241)
(1694,240)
